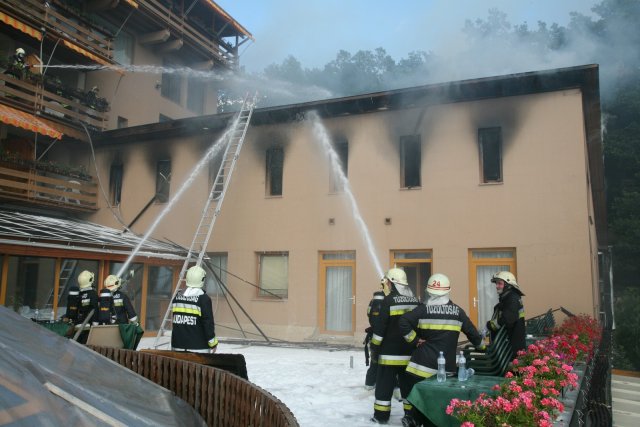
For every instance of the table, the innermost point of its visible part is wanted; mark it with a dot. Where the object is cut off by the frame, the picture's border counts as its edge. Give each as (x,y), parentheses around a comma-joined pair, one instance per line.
(432,398)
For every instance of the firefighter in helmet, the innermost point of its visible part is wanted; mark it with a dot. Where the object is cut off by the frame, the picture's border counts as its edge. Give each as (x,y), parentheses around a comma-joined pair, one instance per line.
(373,309)
(17,66)
(123,310)
(432,328)
(388,343)
(88,308)
(509,311)
(193,323)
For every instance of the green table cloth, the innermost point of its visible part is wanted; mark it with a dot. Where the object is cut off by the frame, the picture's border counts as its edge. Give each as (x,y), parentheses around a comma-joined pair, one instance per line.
(432,398)
(60,328)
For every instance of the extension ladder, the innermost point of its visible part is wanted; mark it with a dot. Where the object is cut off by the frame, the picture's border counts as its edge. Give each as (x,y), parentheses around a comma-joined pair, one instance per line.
(213,205)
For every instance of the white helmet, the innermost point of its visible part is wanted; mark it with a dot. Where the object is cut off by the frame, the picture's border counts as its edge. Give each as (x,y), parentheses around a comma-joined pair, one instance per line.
(438,284)
(397,276)
(196,276)
(508,278)
(20,52)
(85,279)
(112,282)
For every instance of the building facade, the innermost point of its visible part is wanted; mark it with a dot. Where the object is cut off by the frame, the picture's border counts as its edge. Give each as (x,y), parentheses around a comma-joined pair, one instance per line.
(465,178)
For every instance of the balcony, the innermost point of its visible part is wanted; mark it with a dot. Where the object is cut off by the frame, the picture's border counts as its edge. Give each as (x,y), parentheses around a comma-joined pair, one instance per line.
(47,184)
(68,106)
(62,24)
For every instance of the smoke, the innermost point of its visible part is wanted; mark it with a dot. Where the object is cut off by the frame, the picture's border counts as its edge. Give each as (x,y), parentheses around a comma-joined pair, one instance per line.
(496,44)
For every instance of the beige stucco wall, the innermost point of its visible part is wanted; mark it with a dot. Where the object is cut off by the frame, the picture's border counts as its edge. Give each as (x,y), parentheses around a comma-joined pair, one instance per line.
(133,94)
(542,209)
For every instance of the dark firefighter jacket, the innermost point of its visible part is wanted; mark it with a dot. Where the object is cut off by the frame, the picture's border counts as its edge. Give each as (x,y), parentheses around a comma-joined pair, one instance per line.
(123,309)
(105,307)
(374,306)
(509,312)
(387,341)
(440,327)
(88,302)
(193,324)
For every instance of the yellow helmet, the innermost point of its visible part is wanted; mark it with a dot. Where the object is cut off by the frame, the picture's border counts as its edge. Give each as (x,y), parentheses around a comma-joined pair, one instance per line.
(508,278)
(438,284)
(85,279)
(397,276)
(196,276)
(112,282)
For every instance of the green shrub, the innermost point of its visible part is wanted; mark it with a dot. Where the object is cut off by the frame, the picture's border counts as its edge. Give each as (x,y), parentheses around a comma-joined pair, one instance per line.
(627,332)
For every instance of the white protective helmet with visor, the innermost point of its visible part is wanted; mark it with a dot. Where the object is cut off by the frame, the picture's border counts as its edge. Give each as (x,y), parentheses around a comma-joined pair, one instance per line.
(196,276)
(438,284)
(508,278)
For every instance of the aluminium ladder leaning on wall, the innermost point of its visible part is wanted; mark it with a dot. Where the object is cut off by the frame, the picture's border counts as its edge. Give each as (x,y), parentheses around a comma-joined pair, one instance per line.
(213,205)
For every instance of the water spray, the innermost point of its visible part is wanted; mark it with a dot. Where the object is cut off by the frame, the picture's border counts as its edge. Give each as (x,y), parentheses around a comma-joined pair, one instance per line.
(320,132)
(215,148)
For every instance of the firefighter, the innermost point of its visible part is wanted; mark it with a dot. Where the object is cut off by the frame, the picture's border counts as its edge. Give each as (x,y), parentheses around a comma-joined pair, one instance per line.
(509,311)
(431,328)
(193,324)
(88,304)
(373,310)
(387,342)
(17,66)
(123,310)
(73,303)
(105,307)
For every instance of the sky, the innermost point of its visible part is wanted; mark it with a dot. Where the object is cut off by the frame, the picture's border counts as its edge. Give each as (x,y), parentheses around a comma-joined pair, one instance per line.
(314,31)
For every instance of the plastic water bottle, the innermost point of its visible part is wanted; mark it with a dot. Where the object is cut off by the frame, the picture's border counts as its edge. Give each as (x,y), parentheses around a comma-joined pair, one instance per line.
(462,368)
(441,376)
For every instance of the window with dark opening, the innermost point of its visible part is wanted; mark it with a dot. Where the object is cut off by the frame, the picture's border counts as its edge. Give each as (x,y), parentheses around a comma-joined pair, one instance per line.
(170,86)
(490,143)
(275,162)
(196,92)
(163,180)
(342,151)
(410,160)
(122,122)
(115,184)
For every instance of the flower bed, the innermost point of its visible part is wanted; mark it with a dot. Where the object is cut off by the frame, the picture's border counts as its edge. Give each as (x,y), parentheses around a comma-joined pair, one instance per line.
(531,396)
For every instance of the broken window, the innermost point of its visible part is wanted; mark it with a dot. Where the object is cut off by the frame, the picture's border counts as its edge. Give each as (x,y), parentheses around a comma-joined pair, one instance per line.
(410,160)
(275,163)
(163,180)
(115,184)
(274,274)
(342,151)
(490,144)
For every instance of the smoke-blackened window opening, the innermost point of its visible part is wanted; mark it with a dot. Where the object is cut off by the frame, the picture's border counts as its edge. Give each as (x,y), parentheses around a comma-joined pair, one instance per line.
(163,181)
(115,183)
(171,85)
(123,122)
(410,161)
(341,148)
(490,144)
(275,164)
(274,274)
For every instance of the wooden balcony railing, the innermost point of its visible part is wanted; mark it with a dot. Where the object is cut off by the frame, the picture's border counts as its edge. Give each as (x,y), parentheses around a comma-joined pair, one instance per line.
(63,23)
(31,96)
(47,188)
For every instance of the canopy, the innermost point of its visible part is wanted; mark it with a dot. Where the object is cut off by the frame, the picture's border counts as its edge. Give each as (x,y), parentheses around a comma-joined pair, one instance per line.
(18,118)
(49,380)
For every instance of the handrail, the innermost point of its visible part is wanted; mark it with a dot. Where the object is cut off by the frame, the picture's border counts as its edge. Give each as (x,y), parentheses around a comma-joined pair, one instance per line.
(221,398)
(47,188)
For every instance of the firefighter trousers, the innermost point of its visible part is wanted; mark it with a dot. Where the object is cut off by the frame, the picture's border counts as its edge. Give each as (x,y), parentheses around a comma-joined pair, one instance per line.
(388,377)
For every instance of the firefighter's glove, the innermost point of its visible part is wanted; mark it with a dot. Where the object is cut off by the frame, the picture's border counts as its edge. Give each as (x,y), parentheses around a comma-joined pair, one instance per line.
(482,347)
(492,325)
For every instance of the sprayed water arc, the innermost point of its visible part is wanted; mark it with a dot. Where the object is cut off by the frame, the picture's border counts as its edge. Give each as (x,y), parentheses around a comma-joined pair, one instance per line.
(213,150)
(322,136)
